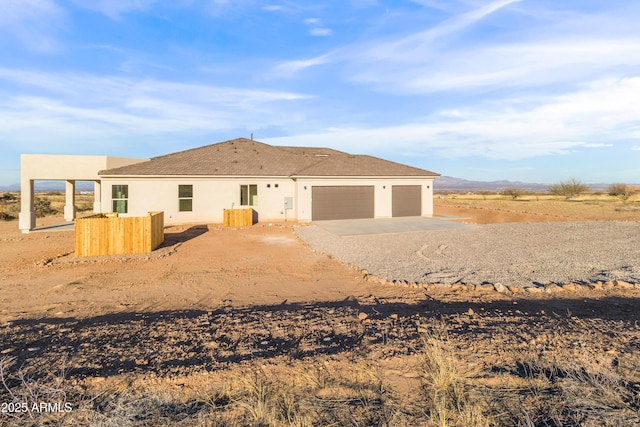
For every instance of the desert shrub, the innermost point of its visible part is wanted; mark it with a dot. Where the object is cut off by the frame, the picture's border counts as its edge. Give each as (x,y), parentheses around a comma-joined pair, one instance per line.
(42,207)
(514,193)
(84,207)
(6,217)
(9,207)
(569,188)
(620,189)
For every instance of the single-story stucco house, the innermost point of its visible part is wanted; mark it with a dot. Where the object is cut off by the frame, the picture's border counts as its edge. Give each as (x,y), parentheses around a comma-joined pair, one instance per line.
(278,182)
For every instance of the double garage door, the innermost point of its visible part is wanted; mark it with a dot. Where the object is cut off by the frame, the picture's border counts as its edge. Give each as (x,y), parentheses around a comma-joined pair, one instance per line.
(357,201)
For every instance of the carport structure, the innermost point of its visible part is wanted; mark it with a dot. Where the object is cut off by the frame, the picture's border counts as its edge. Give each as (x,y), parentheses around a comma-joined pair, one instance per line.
(59,167)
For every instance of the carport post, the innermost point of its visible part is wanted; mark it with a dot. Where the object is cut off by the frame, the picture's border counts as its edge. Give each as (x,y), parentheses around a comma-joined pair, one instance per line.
(97,196)
(70,205)
(27,216)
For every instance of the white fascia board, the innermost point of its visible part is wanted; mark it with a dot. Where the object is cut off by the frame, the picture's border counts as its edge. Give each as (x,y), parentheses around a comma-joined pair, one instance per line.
(366,177)
(194,176)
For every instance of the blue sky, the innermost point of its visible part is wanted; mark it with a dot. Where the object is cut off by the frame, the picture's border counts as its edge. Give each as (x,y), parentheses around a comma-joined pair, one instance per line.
(529,90)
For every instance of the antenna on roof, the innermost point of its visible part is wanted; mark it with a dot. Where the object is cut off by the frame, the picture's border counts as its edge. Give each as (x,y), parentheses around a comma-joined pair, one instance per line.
(252,136)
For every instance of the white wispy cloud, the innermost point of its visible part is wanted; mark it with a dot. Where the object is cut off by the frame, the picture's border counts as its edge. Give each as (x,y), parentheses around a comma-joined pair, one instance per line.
(292,67)
(318,29)
(115,8)
(591,118)
(443,5)
(274,8)
(416,47)
(320,32)
(596,145)
(518,64)
(422,41)
(85,107)
(34,23)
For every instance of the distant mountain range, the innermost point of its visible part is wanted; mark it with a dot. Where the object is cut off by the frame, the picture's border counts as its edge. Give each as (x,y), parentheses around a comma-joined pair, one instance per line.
(50,186)
(449,183)
(444,183)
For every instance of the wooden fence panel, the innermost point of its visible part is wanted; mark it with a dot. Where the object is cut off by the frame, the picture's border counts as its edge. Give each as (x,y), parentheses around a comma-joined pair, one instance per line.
(108,234)
(238,217)
(157,229)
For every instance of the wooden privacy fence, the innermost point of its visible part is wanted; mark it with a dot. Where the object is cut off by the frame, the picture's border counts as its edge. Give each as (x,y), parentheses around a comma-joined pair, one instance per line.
(237,217)
(109,234)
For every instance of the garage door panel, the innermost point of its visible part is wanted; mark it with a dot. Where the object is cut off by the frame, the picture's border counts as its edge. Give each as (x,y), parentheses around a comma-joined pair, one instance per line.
(342,202)
(406,200)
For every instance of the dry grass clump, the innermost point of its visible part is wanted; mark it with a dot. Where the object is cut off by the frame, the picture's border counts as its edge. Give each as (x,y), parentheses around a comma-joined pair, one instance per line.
(569,391)
(295,398)
(555,385)
(30,399)
(451,397)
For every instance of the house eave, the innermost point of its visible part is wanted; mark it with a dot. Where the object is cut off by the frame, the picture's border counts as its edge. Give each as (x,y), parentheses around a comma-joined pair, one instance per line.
(293,177)
(366,176)
(192,176)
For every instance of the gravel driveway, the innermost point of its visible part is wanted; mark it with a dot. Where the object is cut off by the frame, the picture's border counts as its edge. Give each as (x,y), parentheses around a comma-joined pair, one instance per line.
(518,254)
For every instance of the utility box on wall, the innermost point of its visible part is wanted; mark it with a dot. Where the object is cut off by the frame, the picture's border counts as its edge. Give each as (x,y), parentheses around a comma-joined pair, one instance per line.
(288,203)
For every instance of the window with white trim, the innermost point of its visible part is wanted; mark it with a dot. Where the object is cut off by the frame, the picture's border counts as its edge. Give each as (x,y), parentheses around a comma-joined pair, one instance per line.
(120,198)
(185,198)
(249,195)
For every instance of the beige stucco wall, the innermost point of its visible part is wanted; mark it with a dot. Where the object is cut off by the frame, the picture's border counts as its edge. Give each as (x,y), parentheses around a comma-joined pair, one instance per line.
(210,197)
(69,168)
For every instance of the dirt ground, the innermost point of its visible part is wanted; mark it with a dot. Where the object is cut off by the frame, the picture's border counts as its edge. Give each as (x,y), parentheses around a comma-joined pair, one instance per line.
(214,300)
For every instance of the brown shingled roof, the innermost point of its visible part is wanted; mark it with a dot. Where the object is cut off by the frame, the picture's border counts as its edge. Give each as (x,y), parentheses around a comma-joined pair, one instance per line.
(245,157)
(352,165)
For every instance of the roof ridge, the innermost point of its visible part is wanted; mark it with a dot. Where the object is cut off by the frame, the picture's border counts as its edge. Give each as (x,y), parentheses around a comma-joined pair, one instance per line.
(210,145)
(301,147)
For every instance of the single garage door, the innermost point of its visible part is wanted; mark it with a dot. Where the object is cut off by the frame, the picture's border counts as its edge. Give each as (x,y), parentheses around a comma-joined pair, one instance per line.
(406,200)
(341,202)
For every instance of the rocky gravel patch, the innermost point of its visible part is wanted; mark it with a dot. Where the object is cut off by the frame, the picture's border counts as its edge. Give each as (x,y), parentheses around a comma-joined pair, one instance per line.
(522,255)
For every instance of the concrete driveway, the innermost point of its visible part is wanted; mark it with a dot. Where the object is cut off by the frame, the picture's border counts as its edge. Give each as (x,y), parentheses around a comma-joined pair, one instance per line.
(359,227)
